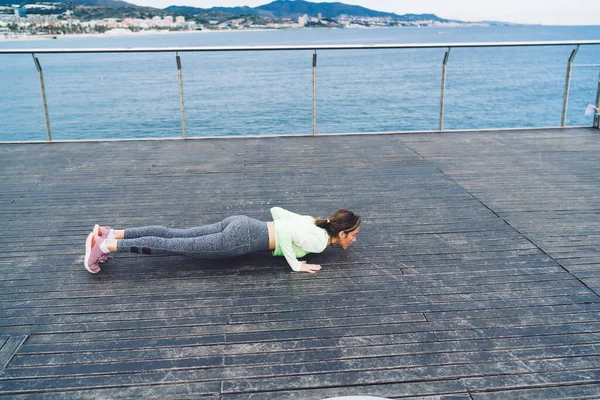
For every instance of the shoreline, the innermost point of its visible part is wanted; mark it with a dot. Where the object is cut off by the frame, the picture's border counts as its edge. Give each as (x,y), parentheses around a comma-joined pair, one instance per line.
(23,37)
(18,38)
(124,32)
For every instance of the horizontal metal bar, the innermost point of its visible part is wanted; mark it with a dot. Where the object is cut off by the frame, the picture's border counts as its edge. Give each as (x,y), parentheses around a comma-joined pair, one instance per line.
(302,47)
(586,65)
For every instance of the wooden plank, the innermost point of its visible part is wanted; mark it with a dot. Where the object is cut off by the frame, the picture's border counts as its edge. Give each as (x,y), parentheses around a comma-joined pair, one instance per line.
(575,392)
(118,386)
(513,382)
(9,348)
(156,392)
(452,389)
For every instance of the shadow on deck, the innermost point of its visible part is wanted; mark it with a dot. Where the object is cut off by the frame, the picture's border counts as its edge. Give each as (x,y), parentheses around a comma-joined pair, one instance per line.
(475,275)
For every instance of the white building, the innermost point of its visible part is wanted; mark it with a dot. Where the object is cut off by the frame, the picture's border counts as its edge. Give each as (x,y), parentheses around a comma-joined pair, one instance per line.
(39,6)
(302,21)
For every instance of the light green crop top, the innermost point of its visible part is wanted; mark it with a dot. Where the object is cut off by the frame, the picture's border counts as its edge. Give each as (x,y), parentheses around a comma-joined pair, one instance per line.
(296,236)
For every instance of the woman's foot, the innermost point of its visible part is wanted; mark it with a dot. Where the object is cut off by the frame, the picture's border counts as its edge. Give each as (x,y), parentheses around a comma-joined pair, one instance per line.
(102,231)
(105,233)
(93,254)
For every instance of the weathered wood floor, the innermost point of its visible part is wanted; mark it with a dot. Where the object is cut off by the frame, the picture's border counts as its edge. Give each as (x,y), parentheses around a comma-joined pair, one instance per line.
(475,275)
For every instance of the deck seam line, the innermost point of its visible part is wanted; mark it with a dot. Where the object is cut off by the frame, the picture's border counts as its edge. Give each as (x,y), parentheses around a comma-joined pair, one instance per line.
(297,135)
(500,217)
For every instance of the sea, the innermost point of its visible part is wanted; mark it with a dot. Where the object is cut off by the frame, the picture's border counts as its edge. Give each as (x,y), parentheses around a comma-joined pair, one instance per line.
(136,95)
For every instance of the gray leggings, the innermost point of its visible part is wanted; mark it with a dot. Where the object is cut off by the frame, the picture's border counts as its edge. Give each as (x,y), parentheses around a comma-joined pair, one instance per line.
(232,237)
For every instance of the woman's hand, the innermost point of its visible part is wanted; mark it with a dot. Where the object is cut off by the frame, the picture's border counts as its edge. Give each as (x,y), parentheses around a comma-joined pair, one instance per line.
(310,268)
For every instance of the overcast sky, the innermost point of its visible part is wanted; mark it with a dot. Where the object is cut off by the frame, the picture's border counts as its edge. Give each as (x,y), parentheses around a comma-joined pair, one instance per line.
(546,12)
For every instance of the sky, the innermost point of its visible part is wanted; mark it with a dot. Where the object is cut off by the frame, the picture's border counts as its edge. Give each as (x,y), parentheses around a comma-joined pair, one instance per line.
(545,12)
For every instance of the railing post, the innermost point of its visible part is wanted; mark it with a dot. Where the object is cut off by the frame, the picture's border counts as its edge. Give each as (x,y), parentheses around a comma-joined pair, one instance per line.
(314,94)
(181,105)
(597,113)
(39,68)
(563,119)
(443,95)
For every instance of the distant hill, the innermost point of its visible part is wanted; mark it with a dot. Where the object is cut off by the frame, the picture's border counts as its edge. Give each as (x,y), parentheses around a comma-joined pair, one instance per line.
(423,17)
(103,3)
(225,10)
(295,8)
(278,9)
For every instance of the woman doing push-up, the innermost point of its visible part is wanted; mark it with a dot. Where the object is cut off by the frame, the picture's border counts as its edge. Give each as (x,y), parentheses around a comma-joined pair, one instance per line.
(290,235)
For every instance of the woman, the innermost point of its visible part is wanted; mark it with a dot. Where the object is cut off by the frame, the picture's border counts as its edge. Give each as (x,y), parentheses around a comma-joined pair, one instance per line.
(290,235)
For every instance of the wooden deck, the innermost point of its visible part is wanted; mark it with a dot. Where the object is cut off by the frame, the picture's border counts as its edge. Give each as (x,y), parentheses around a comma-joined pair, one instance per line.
(475,276)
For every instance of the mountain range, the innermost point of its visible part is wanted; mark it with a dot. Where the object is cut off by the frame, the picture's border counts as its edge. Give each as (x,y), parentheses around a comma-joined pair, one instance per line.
(275,9)
(296,8)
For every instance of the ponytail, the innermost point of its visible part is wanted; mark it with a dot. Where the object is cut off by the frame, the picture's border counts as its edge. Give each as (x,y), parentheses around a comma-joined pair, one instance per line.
(340,221)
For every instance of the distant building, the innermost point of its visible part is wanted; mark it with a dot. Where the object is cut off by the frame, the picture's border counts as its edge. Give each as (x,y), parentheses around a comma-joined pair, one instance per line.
(20,12)
(110,23)
(36,19)
(302,21)
(180,20)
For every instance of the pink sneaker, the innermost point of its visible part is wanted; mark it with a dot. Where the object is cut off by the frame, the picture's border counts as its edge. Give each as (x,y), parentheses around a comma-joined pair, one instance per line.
(102,231)
(93,254)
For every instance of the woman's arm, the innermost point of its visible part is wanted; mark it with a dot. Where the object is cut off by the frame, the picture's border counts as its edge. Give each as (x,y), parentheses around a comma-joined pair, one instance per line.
(290,255)
(287,249)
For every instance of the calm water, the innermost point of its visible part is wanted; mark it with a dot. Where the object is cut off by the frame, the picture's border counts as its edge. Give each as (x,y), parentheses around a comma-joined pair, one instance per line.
(253,93)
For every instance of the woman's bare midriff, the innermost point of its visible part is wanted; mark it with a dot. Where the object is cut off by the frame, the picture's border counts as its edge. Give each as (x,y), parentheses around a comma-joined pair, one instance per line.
(271,226)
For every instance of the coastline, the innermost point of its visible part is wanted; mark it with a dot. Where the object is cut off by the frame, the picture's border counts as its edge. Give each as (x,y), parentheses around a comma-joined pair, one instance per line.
(125,32)
(15,38)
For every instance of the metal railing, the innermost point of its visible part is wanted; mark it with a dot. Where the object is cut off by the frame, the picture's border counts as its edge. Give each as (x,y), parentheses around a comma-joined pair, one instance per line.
(448,46)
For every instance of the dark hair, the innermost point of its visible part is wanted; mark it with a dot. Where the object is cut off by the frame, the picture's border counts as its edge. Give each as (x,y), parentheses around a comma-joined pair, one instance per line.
(340,221)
